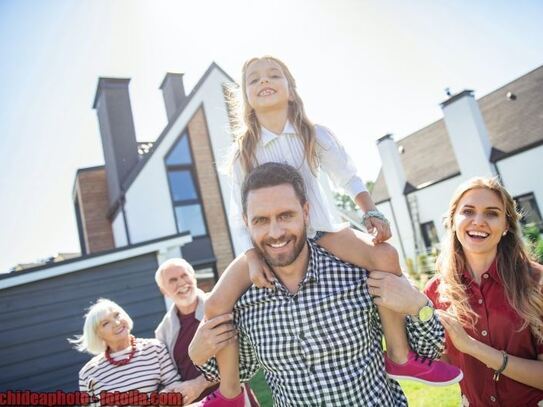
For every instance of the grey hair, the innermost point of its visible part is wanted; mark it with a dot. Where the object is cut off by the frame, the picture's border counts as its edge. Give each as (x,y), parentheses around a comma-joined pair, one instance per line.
(168,263)
(89,341)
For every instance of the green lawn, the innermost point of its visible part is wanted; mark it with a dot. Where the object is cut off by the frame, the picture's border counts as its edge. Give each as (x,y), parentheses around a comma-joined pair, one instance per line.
(419,395)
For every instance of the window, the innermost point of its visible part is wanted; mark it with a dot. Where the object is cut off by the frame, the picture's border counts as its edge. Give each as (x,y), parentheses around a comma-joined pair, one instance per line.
(187,205)
(429,234)
(527,206)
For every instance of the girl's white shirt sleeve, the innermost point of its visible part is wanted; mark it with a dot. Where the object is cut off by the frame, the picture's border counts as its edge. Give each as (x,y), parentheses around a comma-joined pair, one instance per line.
(236,210)
(337,164)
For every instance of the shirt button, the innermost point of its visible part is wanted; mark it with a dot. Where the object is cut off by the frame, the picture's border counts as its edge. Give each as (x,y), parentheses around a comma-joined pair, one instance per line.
(493,399)
(312,369)
(301,336)
(484,333)
(485,275)
(480,301)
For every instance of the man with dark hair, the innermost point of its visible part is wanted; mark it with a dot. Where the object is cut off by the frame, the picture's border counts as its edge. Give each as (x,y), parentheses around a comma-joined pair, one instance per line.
(270,175)
(316,334)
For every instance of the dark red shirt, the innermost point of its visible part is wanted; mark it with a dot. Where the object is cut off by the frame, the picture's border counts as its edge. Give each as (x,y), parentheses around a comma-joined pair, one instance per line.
(499,327)
(185,367)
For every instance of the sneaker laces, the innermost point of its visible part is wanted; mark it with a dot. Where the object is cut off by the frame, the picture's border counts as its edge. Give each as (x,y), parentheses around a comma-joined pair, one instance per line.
(423,359)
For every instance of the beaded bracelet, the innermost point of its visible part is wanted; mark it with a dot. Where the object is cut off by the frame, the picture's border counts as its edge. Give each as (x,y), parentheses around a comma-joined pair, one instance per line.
(502,367)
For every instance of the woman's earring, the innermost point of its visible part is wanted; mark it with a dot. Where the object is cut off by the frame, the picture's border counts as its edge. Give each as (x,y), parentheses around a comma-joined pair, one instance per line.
(504,233)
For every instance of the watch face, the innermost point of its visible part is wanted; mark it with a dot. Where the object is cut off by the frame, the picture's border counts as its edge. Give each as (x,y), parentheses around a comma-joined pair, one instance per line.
(426,313)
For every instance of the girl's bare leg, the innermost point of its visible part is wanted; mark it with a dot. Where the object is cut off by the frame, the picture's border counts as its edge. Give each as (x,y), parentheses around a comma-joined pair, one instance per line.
(357,248)
(230,287)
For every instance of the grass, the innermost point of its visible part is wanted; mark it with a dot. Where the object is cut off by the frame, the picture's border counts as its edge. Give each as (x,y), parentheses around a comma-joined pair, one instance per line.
(418,395)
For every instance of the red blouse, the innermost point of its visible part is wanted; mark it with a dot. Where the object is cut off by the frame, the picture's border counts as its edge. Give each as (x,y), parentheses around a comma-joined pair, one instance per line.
(498,326)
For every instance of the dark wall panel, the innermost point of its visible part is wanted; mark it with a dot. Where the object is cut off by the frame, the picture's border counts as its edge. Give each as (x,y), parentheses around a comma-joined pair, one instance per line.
(36,319)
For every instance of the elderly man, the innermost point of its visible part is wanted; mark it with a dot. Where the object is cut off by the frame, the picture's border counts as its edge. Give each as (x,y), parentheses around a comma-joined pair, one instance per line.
(176,280)
(316,334)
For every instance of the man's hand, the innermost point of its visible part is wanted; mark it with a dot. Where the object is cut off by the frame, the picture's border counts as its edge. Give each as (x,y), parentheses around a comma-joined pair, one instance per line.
(395,293)
(210,337)
(190,389)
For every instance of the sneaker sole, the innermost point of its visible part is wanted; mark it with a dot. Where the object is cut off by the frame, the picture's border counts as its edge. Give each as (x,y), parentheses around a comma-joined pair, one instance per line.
(435,384)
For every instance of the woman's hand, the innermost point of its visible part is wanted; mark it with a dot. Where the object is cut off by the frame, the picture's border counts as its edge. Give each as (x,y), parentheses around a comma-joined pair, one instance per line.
(259,272)
(460,339)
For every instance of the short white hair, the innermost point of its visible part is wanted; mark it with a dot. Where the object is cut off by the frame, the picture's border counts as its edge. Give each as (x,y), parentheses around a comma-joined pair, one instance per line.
(179,262)
(90,341)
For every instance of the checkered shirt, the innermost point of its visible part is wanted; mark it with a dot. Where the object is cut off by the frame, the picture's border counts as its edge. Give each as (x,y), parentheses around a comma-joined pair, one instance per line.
(322,345)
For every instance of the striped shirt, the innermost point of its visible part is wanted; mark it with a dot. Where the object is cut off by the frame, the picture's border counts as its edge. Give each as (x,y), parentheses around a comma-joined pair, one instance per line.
(149,370)
(322,345)
(288,148)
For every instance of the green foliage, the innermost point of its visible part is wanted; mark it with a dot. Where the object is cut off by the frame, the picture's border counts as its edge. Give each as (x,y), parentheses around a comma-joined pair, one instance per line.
(531,232)
(538,251)
(534,241)
(345,202)
(418,395)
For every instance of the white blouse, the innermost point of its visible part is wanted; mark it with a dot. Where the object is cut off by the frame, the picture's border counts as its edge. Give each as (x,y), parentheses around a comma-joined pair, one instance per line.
(288,148)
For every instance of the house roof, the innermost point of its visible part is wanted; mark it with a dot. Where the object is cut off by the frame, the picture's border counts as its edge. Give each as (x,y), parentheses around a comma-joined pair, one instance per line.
(514,122)
(146,149)
(138,167)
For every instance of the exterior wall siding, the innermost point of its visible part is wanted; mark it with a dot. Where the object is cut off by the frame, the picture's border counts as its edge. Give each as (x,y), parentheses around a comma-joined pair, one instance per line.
(36,318)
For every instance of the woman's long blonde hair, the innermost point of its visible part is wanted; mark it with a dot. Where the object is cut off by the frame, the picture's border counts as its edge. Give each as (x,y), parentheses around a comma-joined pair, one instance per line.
(247,129)
(521,282)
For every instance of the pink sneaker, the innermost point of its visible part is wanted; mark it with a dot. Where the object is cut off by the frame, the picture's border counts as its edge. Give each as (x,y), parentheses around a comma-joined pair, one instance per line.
(427,371)
(216,399)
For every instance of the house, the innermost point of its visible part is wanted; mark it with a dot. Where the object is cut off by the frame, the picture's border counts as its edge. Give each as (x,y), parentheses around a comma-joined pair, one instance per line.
(501,134)
(150,201)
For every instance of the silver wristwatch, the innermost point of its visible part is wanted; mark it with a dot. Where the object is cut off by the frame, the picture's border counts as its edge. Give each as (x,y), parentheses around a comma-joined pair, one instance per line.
(374,214)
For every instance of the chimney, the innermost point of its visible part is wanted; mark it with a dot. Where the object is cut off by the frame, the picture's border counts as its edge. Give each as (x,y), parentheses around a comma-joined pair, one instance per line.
(392,165)
(396,182)
(173,92)
(468,134)
(112,105)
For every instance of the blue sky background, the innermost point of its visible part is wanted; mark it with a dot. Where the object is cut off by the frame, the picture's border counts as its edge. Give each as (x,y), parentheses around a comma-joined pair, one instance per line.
(364,69)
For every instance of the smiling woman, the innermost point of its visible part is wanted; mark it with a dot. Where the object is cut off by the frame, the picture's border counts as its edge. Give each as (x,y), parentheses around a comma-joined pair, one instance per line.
(121,362)
(490,298)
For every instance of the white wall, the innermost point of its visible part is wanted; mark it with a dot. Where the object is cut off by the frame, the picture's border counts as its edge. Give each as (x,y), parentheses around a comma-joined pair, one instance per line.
(434,200)
(119,231)
(148,205)
(386,209)
(521,174)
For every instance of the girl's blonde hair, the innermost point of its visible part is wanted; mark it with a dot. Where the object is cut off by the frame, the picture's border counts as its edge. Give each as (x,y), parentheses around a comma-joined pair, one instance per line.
(90,341)
(522,283)
(247,129)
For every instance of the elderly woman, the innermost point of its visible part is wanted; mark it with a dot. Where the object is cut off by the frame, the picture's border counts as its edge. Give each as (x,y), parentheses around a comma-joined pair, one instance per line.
(490,298)
(122,362)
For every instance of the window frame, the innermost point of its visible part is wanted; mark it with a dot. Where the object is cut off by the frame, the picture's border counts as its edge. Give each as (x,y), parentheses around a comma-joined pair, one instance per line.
(523,222)
(191,168)
(426,236)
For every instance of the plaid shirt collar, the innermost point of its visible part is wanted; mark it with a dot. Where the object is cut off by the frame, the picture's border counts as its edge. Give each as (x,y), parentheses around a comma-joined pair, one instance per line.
(311,275)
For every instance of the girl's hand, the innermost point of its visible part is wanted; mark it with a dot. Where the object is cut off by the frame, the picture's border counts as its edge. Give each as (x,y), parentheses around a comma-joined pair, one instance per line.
(460,339)
(380,228)
(259,272)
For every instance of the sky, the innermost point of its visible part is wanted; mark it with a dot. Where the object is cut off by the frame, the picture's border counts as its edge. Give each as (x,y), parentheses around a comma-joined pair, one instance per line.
(363,69)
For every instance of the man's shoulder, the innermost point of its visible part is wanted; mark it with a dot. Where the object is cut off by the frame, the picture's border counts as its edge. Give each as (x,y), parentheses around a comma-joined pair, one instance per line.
(329,265)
